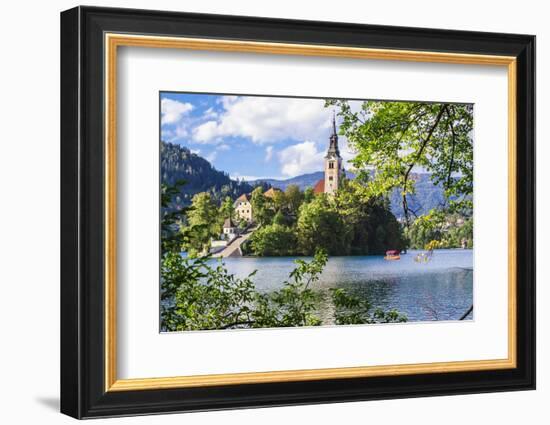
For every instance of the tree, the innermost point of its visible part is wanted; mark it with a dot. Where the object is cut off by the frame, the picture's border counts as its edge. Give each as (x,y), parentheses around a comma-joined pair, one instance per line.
(203,211)
(394,138)
(374,228)
(226,209)
(203,223)
(294,198)
(279,201)
(263,213)
(273,240)
(309,195)
(280,219)
(448,230)
(171,213)
(319,226)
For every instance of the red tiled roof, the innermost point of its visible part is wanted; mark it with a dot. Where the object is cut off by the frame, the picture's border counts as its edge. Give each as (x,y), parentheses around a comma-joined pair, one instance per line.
(242,198)
(319,187)
(270,193)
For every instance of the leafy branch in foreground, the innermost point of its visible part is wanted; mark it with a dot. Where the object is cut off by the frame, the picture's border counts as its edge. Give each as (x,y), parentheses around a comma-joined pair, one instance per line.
(352,310)
(196,295)
(171,215)
(394,138)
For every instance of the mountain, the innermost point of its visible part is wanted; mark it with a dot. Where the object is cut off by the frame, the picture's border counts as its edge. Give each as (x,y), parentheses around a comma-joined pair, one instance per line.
(304,181)
(427,195)
(179,163)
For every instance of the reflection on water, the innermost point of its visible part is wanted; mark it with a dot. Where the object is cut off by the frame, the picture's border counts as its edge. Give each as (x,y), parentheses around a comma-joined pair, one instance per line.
(441,289)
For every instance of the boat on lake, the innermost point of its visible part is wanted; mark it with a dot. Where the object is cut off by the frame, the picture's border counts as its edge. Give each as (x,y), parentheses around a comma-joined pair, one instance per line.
(392,255)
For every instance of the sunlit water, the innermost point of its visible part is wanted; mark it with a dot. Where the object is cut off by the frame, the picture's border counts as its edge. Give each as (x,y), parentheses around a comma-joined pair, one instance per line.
(441,289)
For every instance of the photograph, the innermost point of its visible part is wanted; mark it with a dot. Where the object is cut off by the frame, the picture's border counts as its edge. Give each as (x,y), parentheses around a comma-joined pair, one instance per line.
(292,211)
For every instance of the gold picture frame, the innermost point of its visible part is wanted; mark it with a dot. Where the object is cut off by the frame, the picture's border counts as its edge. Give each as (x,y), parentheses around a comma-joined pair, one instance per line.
(114,41)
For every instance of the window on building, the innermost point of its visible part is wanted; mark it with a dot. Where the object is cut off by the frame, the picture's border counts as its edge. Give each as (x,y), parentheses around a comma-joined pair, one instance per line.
(330,178)
(331,165)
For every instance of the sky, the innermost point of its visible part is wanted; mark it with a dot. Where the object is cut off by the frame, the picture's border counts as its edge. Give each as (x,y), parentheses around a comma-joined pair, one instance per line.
(252,137)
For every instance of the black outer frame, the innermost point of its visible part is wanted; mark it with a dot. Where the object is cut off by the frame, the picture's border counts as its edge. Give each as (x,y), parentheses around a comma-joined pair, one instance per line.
(82,212)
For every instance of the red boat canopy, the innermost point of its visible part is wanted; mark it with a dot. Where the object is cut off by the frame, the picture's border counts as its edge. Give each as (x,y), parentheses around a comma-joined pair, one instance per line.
(393,252)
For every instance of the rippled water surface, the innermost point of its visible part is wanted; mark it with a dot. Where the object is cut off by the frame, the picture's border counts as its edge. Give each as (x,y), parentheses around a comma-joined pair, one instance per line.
(441,289)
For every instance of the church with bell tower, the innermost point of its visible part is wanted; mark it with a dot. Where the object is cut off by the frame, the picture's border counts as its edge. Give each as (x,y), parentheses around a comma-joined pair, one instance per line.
(333,166)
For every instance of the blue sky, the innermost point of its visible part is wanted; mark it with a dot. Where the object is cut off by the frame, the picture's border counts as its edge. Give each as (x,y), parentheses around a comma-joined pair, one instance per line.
(251,136)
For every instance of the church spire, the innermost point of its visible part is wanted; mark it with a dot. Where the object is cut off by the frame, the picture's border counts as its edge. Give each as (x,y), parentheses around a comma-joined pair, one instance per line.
(333,151)
(333,162)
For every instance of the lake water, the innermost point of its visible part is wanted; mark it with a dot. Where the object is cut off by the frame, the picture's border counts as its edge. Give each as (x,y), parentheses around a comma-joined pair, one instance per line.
(441,289)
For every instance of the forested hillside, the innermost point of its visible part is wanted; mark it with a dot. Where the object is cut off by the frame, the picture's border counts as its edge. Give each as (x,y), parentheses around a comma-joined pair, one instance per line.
(179,163)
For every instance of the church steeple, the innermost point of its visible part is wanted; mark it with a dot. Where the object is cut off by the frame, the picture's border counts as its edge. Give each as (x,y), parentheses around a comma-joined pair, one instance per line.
(333,151)
(333,162)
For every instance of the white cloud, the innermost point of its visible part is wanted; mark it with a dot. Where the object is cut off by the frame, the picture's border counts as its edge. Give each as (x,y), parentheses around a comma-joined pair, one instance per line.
(211,157)
(172,110)
(268,153)
(181,131)
(210,114)
(206,132)
(176,133)
(301,158)
(267,119)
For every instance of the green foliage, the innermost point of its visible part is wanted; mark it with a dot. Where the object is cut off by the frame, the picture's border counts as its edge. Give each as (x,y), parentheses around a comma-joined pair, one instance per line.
(203,223)
(261,207)
(448,230)
(197,296)
(170,236)
(273,240)
(294,198)
(395,137)
(309,195)
(279,202)
(373,227)
(226,209)
(352,310)
(280,219)
(295,303)
(320,226)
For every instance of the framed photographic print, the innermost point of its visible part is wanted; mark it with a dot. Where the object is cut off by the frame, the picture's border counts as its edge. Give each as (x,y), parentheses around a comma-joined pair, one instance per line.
(261,212)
